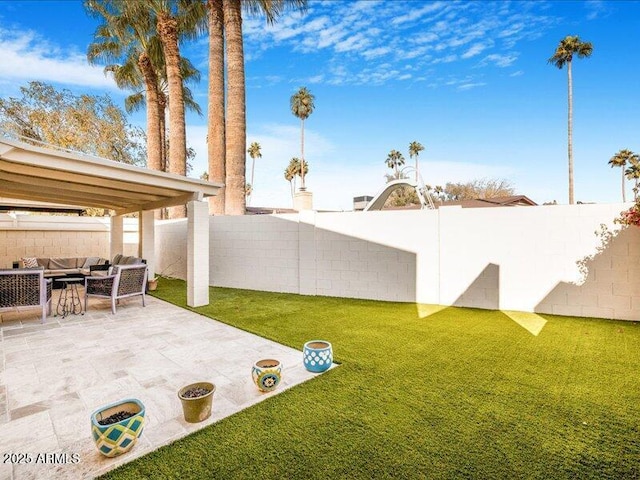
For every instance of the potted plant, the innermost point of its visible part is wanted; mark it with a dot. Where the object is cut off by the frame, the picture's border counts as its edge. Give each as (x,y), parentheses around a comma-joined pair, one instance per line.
(197,399)
(115,428)
(266,374)
(317,355)
(152,283)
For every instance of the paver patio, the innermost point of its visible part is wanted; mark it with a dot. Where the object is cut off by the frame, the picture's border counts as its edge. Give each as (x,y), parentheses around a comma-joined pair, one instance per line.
(54,375)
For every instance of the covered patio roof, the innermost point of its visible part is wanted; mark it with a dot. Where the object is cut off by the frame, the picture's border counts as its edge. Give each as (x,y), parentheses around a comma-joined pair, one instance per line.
(58,176)
(44,174)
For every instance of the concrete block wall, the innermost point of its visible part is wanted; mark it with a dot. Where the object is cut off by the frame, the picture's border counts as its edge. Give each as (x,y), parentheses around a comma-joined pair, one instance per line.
(59,236)
(50,236)
(258,252)
(545,259)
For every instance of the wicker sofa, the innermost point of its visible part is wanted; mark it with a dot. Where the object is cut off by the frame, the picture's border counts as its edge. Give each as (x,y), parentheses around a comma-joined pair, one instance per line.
(25,287)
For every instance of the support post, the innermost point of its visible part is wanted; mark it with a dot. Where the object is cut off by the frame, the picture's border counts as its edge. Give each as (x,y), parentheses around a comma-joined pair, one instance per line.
(116,244)
(197,254)
(147,239)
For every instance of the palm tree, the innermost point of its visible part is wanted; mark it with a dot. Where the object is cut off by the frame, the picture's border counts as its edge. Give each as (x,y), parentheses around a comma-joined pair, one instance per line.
(394,160)
(254,152)
(232,140)
(302,105)
(293,170)
(215,120)
(414,150)
(131,41)
(621,159)
(290,175)
(568,47)
(633,173)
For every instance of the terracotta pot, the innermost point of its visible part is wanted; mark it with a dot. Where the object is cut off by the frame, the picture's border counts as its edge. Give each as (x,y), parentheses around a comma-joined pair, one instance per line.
(197,409)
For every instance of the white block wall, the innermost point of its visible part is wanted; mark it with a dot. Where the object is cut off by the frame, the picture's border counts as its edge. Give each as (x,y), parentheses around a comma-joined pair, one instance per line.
(59,236)
(523,258)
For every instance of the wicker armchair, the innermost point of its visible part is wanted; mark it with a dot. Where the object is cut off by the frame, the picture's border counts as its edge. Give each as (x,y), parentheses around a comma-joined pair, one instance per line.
(25,287)
(126,281)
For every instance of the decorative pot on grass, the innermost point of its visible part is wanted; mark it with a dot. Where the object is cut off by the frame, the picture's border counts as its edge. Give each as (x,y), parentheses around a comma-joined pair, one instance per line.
(116,427)
(317,355)
(197,400)
(267,374)
(152,284)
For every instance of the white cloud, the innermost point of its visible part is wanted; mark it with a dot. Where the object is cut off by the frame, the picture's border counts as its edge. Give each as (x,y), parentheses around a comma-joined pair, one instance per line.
(28,57)
(474,50)
(517,73)
(501,60)
(469,86)
(415,14)
(375,52)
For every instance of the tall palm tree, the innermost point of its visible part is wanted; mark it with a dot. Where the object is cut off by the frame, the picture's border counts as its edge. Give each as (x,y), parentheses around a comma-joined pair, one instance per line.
(174,20)
(232,141)
(633,173)
(216,97)
(302,105)
(235,120)
(394,160)
(621,159)
(414,150)
(567,48)
(254,152)
(131,41)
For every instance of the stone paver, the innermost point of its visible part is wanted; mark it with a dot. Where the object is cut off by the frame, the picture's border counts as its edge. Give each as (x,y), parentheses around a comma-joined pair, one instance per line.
(54,375)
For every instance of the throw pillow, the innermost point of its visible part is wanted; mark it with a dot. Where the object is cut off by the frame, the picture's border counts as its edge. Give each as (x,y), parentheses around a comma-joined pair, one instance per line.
(30,262)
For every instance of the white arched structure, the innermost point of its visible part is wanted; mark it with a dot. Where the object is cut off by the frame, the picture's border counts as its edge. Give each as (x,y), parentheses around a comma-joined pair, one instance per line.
(423,194)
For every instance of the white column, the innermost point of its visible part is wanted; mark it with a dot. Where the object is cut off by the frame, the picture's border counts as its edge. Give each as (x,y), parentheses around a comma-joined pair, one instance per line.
(117,236)
(147,239)
(197,254)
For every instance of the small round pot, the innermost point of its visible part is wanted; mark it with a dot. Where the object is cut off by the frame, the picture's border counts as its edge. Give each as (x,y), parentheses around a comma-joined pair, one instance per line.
(267,374)
(317,355)
(117,438)
(197,409)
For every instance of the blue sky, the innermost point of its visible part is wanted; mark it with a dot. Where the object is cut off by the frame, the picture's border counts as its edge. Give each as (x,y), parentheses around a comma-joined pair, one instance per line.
(469,80)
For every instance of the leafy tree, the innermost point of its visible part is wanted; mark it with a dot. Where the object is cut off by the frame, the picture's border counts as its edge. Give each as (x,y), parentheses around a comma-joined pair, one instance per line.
(394,160)
(479,188)
(254,152)
(302,105)
(621,159)
(633,173)
(414,150)
(567,48)
(90,124)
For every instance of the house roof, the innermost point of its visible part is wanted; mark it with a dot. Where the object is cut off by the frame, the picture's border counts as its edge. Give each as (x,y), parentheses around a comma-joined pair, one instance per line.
(509,201)
(47,174)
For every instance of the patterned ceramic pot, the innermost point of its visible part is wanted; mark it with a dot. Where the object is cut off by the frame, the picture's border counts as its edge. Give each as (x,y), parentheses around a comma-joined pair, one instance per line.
(117,438)
(317,355)
(197,409)
(267,374)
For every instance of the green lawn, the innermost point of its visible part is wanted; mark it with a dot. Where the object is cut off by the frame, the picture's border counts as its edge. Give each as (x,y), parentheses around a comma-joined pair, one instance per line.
(463,393)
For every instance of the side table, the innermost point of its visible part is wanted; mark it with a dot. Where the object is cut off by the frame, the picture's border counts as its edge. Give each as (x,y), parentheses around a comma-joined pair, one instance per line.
(69,299)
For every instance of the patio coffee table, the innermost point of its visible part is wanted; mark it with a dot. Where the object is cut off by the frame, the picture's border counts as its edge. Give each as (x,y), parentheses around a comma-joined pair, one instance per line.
(69,299)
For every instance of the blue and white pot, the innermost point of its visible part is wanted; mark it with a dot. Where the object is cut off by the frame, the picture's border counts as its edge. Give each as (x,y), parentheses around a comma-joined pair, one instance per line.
(267,374)
(317,355)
